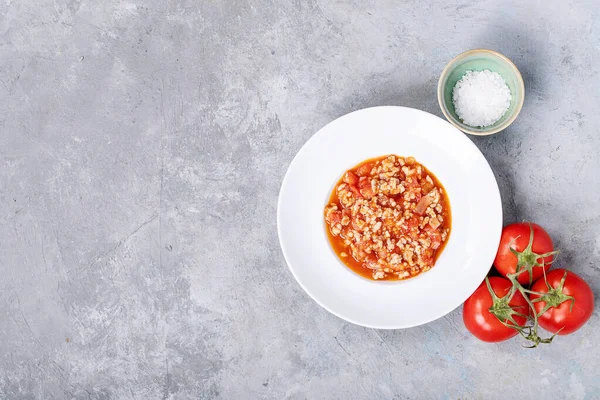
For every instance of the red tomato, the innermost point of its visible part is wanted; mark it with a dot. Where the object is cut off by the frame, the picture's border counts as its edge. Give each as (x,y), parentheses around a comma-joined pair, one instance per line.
(532,255)
(559,300)
(350,178)
(364,185)
(482,323)
(365,169)
(356,192)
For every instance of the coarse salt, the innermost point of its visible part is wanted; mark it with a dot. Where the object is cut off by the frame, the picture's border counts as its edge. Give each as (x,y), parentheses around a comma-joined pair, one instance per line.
(481,98)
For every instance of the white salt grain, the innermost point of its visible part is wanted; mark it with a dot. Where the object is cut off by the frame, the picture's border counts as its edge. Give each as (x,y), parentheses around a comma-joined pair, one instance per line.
(481,98)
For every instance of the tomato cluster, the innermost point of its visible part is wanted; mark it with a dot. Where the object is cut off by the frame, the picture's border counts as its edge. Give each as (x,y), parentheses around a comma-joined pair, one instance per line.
(559,301)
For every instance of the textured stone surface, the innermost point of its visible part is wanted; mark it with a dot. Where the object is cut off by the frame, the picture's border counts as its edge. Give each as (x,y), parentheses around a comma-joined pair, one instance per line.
(142,146)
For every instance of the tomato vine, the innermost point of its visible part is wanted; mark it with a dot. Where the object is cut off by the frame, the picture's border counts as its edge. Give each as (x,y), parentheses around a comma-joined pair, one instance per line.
(501,309)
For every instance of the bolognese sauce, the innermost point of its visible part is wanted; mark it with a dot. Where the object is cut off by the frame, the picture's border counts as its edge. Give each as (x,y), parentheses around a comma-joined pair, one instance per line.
(388,218)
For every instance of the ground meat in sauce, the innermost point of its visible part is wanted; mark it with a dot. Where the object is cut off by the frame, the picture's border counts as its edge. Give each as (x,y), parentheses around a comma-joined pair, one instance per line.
(388,218)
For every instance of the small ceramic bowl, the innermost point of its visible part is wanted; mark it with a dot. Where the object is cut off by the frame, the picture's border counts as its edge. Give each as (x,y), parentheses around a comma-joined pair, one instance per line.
(479,60)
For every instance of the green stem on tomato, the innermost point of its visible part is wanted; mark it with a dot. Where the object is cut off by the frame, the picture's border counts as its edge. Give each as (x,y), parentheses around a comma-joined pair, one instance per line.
(528,332)
(505,313)
(527,259)
(554,296)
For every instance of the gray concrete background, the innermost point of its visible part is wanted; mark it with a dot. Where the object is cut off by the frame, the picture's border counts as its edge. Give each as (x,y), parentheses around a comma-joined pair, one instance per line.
(142,146)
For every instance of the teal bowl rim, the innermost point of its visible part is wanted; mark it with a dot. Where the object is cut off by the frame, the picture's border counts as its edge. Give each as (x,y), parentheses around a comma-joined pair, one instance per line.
(464,128)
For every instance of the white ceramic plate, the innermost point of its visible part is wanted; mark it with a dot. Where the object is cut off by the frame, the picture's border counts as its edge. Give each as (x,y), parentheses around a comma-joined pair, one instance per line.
(447,153)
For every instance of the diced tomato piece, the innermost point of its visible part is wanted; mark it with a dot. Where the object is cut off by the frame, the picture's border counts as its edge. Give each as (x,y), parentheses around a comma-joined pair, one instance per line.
(364,185)
(365,169)
(434,223)
(356,192)
(427,257)
(367,192)
(426,187)
(411,227)
(422,205)
(414,183)
(350,178)
(436,239)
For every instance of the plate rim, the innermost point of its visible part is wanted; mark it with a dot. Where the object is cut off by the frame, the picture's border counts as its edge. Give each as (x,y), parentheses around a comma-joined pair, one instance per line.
(285,253)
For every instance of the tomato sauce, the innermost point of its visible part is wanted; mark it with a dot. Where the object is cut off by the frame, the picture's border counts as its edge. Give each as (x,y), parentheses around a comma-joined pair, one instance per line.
(339,242)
